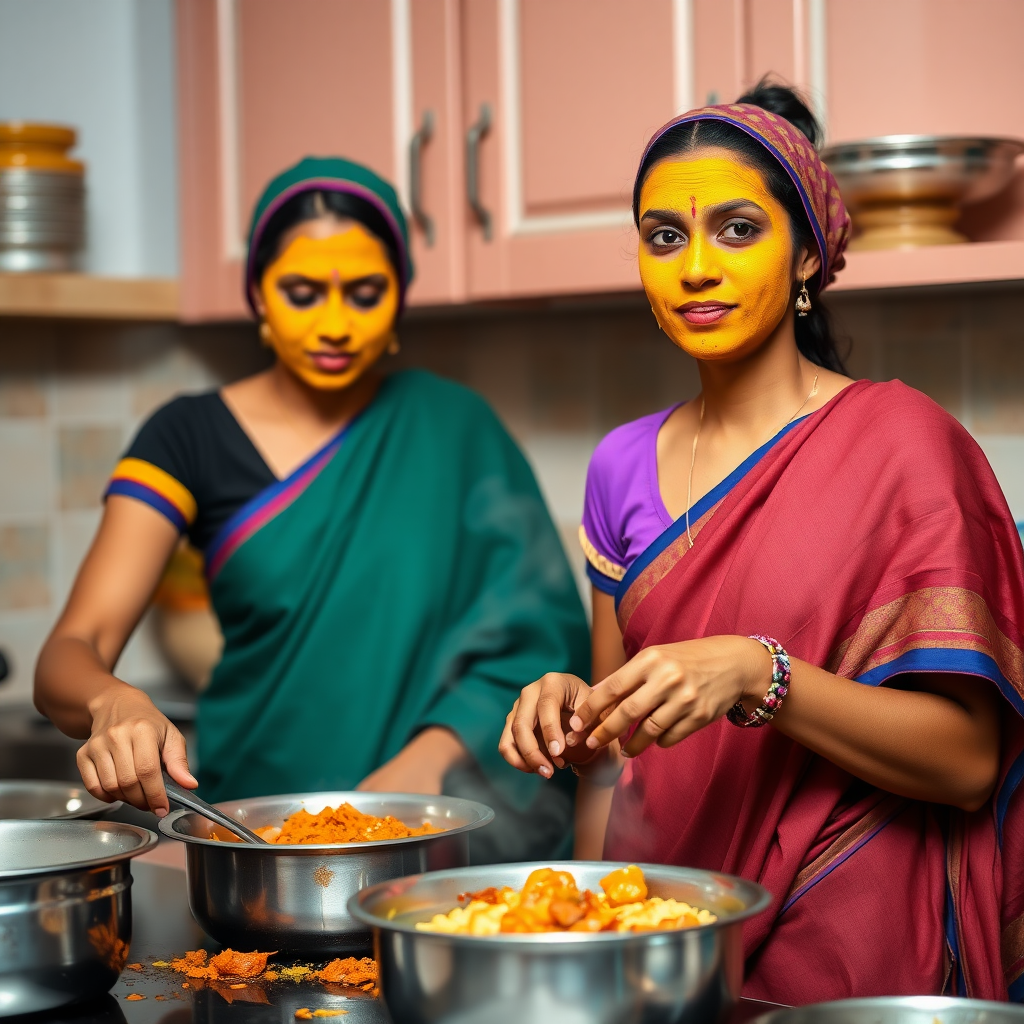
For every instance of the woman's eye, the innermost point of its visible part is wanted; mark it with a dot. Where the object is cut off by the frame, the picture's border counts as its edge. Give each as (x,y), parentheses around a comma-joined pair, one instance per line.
(302,296)
(665,237)
(739,231)
(366,296)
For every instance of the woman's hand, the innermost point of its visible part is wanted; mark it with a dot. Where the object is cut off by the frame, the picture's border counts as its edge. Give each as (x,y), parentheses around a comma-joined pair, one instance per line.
(535,735)
(130,739)
(420,766)
(671,691)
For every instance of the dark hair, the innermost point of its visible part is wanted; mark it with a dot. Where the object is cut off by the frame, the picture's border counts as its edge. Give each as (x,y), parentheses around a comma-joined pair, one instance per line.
(319,203)
(814,334)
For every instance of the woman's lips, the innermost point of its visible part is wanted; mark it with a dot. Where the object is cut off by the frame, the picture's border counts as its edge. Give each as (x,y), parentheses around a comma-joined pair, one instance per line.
(704,312)
(331,362)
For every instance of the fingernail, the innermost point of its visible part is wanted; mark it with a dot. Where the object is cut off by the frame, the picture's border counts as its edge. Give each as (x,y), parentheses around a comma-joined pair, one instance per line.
(592,742)
(554,747)
(576,723)
(161,812)
(571,740)
(545,771)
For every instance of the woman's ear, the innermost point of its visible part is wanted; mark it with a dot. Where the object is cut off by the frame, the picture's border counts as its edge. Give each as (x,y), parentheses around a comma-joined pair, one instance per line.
(256,291)
(807,265)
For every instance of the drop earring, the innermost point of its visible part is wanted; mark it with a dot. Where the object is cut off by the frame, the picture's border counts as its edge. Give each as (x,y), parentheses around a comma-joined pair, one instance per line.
(394,347)
(266,335)
(657,321)
(803,300)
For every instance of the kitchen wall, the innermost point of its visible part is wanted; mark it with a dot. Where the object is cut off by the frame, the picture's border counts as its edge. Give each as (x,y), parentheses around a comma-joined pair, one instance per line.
(560,375)
(105,67)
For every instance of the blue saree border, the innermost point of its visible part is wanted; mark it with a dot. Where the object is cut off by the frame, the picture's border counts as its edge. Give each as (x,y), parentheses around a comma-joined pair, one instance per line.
(699,508)
(296,480)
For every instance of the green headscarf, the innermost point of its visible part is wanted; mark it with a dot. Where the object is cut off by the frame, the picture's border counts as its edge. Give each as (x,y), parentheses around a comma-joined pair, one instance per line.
(331,174)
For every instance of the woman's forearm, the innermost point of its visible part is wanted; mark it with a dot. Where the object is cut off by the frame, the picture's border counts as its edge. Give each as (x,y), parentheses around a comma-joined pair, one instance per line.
(923,745)
(70,678)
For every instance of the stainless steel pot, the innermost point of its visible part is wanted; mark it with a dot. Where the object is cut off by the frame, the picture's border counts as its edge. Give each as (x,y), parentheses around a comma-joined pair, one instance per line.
(295,898)
(39,799)
(899,1010)
(65,909)
(667,977)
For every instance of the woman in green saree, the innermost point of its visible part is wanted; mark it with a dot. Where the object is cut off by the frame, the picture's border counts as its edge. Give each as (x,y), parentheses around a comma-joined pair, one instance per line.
(382,564)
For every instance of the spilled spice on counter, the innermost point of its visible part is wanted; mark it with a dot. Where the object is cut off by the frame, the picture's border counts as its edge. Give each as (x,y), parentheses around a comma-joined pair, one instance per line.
(135,967)
(306,1014)
(349,971)
(134,997)
(229,963)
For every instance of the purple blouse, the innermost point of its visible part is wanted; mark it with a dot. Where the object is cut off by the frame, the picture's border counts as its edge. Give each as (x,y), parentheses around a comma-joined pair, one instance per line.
(622,508)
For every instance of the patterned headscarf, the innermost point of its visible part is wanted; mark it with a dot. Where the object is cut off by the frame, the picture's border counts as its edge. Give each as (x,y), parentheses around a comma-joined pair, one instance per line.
(331,174)
(818,190)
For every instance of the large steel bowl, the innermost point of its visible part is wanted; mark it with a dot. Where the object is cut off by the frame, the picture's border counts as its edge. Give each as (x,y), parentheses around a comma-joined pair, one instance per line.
(899,1010)
(41,798)
(295,898)
(65,910)
(667,977)
(963,170)
(904,191)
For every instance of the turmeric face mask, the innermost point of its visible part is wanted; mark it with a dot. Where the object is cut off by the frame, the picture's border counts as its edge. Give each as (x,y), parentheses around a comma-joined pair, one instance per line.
(716,255)
(330,306)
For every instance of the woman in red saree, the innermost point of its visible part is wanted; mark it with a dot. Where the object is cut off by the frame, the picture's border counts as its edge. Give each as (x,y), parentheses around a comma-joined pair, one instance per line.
(882,804)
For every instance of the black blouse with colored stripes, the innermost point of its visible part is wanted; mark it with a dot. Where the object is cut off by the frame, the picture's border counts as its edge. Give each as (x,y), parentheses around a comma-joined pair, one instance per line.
(197,440)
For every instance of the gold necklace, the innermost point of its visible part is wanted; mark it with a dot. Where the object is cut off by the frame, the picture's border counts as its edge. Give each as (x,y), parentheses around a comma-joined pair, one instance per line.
(693,454)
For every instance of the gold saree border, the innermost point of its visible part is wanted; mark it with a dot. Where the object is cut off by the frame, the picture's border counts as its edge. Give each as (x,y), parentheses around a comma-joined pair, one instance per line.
(950,618)
(660,567)
(1013,950)
(603,565)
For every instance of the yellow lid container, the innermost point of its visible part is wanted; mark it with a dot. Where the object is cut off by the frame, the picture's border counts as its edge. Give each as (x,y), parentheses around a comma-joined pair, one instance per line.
(40,147)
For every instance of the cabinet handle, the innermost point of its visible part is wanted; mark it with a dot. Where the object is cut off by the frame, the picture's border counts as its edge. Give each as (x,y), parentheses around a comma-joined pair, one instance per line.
(416,143)
(476,132)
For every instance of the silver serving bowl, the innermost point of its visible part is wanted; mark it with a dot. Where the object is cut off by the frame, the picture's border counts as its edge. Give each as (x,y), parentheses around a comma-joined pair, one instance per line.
(899,1010)
(38,798)
(65,909)
(922,167)
(667,977)
(295,898)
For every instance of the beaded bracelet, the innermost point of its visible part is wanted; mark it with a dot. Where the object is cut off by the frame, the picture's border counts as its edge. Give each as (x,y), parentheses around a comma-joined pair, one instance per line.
(777,691)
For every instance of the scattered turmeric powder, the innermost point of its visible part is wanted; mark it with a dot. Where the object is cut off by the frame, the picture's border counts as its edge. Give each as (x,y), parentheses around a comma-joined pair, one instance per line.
(349,971)
(135,967)
(227,964)
(134,997)
(342,824)
(307,1014)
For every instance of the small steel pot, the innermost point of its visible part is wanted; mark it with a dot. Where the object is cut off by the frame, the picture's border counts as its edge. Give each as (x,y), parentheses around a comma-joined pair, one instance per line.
(65,909)
(295,898)
(43,799)
(667,977)
(899,1010)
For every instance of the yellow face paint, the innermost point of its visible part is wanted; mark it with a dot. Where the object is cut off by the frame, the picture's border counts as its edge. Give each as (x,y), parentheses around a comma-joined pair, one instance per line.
(716,255)
(330,304)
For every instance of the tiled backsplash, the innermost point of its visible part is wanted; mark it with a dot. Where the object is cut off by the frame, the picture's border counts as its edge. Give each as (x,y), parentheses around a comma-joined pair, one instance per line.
(560,376)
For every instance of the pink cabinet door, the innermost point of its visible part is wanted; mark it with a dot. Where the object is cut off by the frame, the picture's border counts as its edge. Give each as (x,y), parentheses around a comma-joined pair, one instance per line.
(263,84)
(574,89)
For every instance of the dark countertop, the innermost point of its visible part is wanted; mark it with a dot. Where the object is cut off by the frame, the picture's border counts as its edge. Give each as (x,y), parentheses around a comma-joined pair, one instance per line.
(163,928)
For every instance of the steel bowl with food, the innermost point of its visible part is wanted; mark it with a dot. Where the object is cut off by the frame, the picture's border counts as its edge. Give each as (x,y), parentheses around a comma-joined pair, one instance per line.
(657,977)
(65,909)
(295,898)
(42,798)
(899,1010)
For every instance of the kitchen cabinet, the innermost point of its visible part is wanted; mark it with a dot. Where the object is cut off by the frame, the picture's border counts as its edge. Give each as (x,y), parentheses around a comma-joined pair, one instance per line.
(512,128)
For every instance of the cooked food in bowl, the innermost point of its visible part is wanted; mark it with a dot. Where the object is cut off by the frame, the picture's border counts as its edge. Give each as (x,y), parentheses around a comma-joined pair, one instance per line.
(343,824)
(551,901)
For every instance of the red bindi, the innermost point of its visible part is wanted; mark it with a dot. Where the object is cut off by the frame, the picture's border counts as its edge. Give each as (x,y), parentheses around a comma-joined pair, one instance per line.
(693,207)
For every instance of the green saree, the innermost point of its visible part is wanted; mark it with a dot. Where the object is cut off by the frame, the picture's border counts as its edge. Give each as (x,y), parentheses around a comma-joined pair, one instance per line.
(407,575)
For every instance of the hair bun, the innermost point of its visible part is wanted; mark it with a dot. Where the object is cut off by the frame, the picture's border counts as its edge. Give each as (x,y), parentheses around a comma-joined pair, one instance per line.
(786,102)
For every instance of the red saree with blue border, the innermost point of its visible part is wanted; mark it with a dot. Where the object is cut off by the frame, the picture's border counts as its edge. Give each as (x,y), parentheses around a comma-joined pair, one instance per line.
(872,539)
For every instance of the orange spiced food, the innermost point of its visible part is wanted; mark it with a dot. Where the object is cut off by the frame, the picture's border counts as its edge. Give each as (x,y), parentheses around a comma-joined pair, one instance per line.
(342,824)
(550,901)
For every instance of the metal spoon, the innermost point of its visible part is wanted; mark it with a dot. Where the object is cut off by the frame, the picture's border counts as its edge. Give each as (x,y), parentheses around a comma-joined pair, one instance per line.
(188,799)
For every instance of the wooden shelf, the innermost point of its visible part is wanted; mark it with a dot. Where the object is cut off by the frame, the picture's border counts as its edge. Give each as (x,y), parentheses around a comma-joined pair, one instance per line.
(82,296)
(972,263)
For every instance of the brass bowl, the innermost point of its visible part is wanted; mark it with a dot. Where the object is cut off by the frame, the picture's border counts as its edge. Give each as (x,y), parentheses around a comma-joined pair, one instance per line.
(905,191)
